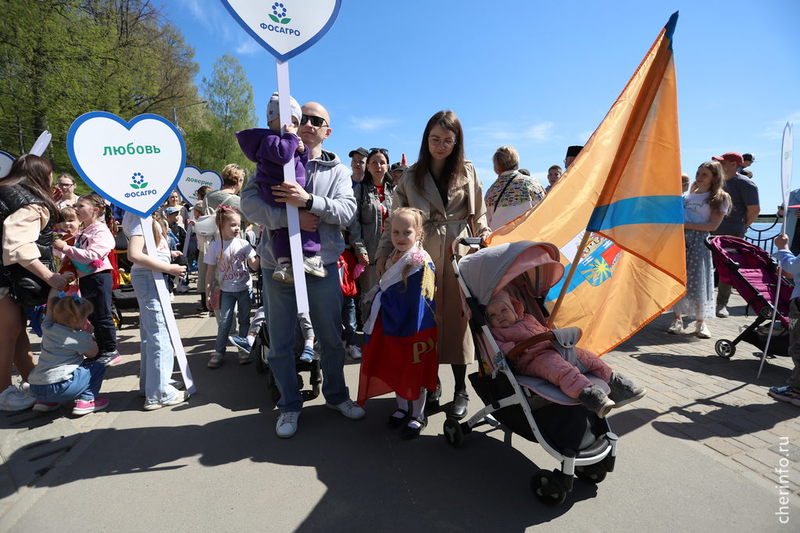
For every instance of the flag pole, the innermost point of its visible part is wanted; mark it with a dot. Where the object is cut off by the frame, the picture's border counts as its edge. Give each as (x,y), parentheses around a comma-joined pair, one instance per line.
(573,268)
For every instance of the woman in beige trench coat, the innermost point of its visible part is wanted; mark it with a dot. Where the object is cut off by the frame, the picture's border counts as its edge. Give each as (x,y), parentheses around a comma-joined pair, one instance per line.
(445,186)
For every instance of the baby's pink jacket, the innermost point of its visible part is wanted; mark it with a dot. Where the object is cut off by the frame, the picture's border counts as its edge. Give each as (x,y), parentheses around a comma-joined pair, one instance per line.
(94,243)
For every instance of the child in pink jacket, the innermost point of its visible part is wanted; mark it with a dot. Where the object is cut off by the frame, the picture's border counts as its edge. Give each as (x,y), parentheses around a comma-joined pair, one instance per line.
(89,256)
(510,326)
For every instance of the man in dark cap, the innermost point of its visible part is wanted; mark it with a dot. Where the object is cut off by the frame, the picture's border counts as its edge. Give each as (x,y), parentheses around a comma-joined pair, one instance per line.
(748,160)
(397,172)
(358,163)
(744,197)
(572,153)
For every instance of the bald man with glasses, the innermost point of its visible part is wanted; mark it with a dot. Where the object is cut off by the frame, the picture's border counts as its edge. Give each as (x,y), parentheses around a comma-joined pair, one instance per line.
(326,205)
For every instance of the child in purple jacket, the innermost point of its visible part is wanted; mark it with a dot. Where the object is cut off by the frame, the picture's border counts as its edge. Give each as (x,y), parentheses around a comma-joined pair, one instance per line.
(271,150)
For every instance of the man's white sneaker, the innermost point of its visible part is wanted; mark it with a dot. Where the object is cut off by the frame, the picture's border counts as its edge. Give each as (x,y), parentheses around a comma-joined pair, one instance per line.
(354,352)
(676,327)
(349,409)
(722,312)
(287,424)
(701,331)
(313,265)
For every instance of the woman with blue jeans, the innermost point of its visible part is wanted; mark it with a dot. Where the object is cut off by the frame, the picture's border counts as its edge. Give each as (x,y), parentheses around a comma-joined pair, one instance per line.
(157,352)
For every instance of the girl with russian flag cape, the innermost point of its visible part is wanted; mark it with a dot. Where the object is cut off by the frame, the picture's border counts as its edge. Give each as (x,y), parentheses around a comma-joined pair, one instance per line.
(400,331)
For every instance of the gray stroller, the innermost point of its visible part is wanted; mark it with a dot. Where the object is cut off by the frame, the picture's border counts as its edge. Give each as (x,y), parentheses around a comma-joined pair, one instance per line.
(537,410)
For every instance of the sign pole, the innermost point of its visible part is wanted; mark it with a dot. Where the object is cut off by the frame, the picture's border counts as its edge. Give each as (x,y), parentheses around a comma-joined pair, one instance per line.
(166,307)
(292,214)
(786,179)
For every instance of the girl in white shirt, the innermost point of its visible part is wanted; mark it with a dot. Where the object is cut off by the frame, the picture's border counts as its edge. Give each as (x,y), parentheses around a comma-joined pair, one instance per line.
(227,260)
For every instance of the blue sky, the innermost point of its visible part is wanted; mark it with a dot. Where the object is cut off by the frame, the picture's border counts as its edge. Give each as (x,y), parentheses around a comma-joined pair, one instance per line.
(537,75)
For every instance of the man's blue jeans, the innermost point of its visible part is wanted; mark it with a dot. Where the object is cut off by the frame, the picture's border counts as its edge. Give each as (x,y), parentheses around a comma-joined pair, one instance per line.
(84,385)
(325,303)
(229,300)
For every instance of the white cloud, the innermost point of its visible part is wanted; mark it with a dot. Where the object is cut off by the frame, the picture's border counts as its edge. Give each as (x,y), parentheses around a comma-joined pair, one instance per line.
(212,16)
(247,47)
(371,123)
(196,8)
(510,132)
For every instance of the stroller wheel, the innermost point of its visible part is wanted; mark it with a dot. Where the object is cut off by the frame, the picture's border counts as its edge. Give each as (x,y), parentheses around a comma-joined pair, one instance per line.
(548,488)
(453,432)
(725,348)
(259,352)
(592,473)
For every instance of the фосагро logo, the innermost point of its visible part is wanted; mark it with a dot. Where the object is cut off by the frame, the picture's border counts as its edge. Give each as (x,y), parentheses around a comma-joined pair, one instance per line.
(279,14)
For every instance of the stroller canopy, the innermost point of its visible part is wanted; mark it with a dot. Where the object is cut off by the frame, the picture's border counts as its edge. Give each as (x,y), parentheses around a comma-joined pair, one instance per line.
(488,270)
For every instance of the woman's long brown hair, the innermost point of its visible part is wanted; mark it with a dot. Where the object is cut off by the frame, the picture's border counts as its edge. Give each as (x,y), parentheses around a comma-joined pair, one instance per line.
(33,173)
(454,164)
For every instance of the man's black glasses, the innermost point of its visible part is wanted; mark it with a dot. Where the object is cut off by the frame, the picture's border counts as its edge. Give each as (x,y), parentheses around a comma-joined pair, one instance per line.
(317,122)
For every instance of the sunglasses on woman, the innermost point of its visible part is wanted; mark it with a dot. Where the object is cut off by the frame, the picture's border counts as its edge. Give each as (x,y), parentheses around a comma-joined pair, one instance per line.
(317,122)
(384,151)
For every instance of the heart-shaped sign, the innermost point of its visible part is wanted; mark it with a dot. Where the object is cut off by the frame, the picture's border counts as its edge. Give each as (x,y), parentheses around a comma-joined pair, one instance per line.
(193,178)
(284,27)
(134,165)
(6,160)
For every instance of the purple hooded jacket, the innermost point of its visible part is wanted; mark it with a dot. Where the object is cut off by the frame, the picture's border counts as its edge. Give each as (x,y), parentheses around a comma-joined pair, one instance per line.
(270,151)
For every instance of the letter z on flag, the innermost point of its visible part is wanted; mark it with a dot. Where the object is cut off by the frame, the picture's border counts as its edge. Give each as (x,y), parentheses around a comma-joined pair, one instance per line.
(625,188)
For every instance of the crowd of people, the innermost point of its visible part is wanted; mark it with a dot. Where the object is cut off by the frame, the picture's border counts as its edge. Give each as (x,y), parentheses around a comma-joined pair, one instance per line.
(366,231)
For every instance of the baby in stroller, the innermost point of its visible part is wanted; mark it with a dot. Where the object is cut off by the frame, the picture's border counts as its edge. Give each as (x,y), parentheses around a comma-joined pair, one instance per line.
(510,325)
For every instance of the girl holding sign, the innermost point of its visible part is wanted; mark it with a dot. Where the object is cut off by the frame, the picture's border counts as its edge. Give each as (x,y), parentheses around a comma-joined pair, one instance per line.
(157,351)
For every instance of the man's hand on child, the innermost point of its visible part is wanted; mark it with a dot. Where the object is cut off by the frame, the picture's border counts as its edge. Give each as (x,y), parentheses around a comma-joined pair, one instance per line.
(290,193)
(300,146)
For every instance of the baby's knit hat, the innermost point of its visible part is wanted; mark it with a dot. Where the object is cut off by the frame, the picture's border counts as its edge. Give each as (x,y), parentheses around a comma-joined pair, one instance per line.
(502,296)
(273,110)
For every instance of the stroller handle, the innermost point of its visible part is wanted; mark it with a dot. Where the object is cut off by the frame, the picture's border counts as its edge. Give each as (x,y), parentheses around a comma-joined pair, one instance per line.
(473,242)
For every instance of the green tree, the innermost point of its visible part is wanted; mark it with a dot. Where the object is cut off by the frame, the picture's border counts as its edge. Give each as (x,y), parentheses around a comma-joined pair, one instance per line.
(62,58)
(230,108)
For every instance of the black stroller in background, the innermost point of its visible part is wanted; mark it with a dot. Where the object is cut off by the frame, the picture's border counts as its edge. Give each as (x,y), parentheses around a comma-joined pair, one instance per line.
(260,351)
(533,408)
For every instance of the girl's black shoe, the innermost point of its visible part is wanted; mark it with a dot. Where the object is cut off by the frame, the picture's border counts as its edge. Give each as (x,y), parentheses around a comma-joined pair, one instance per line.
(396,422)
(413,428)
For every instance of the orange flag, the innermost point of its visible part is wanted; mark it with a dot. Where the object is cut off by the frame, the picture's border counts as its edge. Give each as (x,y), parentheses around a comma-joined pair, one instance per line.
(624,189)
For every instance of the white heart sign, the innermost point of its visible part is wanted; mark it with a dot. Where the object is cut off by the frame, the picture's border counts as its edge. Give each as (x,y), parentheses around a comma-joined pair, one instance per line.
(6,160)
(134,165)
(193,178)
(284,27)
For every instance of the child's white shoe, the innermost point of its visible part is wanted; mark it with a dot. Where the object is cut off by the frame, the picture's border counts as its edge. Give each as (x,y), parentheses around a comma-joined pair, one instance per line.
(283,272)
(313,265)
